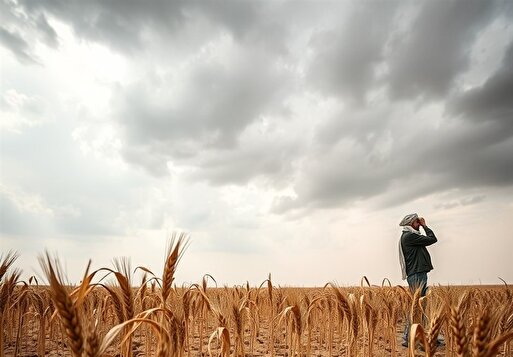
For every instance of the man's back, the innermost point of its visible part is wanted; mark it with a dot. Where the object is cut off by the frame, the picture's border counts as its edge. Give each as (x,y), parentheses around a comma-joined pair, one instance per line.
(416,255)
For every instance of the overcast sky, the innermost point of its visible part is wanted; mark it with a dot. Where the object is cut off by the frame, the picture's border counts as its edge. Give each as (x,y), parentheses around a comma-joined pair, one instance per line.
(287,137)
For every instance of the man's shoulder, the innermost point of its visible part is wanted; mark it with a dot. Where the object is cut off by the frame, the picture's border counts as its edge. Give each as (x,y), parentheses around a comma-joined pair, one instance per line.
(408,234)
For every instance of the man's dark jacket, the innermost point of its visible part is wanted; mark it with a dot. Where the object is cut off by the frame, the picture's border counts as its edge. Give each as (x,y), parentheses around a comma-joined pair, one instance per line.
(416,256)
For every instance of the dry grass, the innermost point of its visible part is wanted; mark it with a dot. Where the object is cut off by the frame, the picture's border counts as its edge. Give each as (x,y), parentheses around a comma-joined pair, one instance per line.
(115,318)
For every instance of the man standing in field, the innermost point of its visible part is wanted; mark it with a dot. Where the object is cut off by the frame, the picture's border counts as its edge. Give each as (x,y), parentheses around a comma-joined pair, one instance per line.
(414,256)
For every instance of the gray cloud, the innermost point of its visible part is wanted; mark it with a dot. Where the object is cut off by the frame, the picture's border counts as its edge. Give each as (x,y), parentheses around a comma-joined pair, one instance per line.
(429,55)
(119,24)
(17,45)
(237,17)
(493,101)
(345,57)
(166,118)
(366,124)
(215,104)
(127,25)
(418,159)
(466,201)
(67,195)
(473,155)
(20,32)
(402,161)
(160,115)
(219,101)
(346,173)
(47,32)
(201,110)
(12,222)
(267,158)
(380,45)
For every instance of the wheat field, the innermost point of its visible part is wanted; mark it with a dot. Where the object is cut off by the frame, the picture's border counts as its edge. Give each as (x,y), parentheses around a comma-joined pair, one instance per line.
(110,314)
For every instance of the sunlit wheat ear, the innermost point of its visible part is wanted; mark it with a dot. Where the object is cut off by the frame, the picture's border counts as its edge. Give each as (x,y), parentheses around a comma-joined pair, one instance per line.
(6,261)
(123,277)
(92,346)
(270,288)
(342,301)
(482,334)
(116,302)
(6,291)
(7,288)
(64,305)
(142,291)
(493,348)
(175,251)
(457,325)
(354,323)
(237,318)
(434,329)
(508,324)
(39,301)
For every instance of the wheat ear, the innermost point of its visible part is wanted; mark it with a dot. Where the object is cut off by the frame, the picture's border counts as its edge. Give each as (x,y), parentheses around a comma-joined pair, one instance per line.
(65,307)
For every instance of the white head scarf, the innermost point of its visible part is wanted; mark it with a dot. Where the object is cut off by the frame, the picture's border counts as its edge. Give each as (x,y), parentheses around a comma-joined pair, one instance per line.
(405,223)
(408,219)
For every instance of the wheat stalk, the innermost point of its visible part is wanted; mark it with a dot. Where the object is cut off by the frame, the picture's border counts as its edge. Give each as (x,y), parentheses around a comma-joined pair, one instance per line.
(62,300)
(175,251)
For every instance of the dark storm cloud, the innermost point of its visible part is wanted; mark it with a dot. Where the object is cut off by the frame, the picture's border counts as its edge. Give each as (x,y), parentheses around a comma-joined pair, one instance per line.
(470,149)
(365,124)
(256,24)
(428,56)
(419,57)
(472,155)
(493,101)
(419,159)
(345,56)
(419,163)
(248,162)
(345,174)
(132,26)
(238,17)
(119,24)
(127,26)
(482,147)
(199,116)
(216,103)
(218,99)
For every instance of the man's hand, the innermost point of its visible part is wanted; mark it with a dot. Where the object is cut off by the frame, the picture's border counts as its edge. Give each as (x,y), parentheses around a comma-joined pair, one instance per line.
(422,221)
